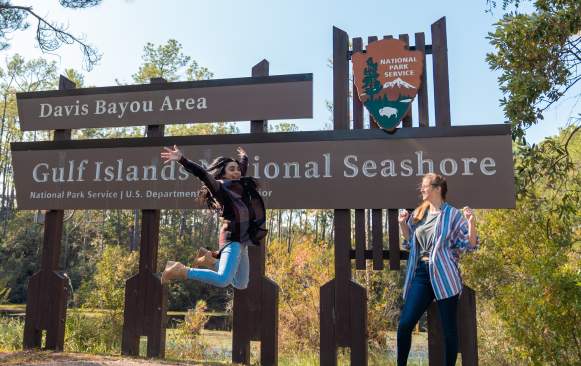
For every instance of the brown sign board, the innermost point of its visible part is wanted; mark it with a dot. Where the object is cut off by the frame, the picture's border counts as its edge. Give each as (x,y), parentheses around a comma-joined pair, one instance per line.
(322,169)
(240,99)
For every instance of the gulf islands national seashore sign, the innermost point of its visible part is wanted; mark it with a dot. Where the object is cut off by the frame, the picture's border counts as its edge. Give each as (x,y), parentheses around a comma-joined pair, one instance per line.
(387,78)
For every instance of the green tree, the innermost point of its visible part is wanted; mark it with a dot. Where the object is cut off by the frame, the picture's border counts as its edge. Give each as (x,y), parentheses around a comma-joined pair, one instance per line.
(106,289)
(169,62)
(527,271)
(538,54)
(371,84)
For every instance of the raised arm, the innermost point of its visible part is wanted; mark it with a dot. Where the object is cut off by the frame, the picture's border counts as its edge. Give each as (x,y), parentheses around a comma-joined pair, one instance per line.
(463,235)
(194,168)
(199,171)
(242,160)
(404,227)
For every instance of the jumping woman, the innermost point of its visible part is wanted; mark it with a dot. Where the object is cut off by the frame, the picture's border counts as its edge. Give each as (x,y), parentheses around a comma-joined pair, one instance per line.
(435,234)
(225,188)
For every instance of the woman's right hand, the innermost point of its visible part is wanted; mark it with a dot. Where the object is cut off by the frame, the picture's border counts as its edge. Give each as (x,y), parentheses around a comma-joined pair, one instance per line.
(403,216)
(171,155)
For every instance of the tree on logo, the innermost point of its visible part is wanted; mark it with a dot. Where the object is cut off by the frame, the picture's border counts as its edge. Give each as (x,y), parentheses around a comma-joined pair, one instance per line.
(371,84)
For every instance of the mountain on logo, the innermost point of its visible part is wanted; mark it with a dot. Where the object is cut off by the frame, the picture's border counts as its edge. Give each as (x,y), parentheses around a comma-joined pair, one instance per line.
(398,83)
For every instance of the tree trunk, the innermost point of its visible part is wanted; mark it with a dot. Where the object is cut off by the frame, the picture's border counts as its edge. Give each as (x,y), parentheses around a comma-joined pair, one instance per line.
(290,230)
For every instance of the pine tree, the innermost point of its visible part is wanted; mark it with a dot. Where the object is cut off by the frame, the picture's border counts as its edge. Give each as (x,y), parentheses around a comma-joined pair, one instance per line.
(371,84)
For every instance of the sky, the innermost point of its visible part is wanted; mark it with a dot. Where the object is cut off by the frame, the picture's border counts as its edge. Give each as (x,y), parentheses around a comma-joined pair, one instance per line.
(230,37)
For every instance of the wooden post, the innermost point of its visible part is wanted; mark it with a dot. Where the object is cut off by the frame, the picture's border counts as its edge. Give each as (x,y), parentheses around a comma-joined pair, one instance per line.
(46,305)
(145,297)
(256,308)
(343,303)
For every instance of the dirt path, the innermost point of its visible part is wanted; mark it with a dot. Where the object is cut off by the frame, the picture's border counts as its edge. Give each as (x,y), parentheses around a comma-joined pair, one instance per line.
(46,358)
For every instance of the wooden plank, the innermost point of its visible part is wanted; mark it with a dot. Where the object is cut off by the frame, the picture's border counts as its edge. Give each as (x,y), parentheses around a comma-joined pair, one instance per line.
(240,336)
(340,80)
(328,345)
(393,233)
(260,69)
(407,118)
(342,222)
(435,337)
(46,309)
(342,218)
(256,320)
(131,331)
(440,66)
(377,238)
(359,213)
(145,303)
(357,105)
(423,111)
(467,332)
(368,254)
(359,342)
(377,233)
(32,332)
(269,329)
(51,246)
(157,312)
(360,239)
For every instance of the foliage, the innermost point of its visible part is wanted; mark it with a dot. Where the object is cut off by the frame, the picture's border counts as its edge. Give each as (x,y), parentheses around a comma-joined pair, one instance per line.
(194,320)
(528,268)
(87,333)
(299,273)
(19,254)
(168,61)
(384,300)
(186,342)
(106,289)
(538,55)
(11,331)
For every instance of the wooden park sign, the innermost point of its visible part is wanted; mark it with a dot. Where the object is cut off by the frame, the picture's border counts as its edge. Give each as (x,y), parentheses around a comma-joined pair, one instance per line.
(240,99)
(387,78)
(361,169)
(344,169)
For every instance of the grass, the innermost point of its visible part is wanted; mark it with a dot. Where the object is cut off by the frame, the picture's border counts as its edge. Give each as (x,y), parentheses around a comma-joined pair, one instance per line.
(211,348)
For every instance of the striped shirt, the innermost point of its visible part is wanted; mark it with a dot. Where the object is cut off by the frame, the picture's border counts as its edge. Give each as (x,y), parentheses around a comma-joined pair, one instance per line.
(451,239)
(230,195)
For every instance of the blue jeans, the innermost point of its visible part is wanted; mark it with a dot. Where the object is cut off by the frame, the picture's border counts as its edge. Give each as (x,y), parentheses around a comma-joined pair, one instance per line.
(419,297)
(233,268)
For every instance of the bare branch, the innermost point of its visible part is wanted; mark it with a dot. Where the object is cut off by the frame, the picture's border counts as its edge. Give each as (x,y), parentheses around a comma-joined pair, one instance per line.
(50,37)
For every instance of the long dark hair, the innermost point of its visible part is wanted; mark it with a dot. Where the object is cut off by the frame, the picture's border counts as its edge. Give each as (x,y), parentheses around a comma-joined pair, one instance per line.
(217,169)
(436,180)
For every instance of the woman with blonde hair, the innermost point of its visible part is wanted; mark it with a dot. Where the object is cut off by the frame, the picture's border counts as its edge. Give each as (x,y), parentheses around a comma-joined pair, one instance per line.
(435,234)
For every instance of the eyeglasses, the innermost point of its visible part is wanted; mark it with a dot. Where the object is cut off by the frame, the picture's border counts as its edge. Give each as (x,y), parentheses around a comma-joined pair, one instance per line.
(426,186)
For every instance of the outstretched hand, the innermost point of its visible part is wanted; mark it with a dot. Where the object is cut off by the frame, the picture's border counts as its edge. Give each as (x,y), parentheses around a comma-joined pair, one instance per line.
(241,152)
(469,215)
(171,155)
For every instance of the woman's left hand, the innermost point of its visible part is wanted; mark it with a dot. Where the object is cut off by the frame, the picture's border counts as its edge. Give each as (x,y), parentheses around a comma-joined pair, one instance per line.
(241,152)
(469,215)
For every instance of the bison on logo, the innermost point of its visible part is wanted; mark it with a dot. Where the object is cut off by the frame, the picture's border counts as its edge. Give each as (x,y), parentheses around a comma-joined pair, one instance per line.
(387,78)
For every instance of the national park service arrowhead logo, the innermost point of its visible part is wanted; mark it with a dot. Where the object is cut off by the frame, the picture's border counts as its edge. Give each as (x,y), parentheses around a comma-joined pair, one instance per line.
(387,79)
